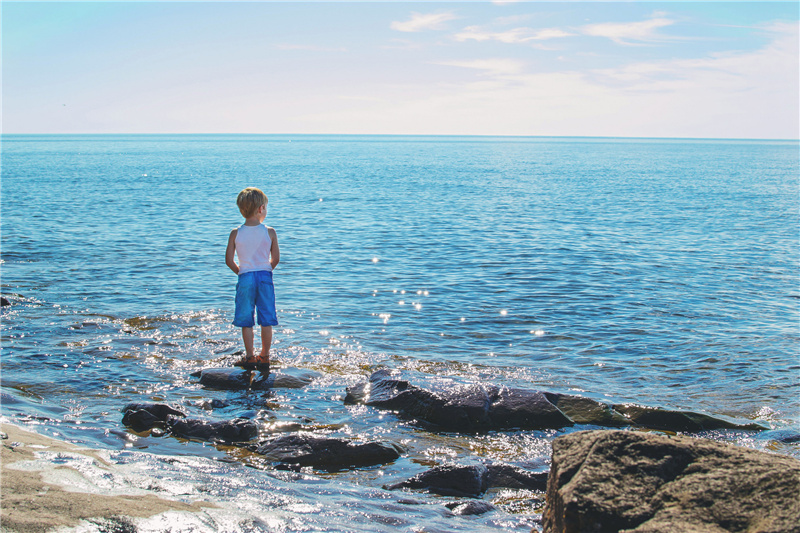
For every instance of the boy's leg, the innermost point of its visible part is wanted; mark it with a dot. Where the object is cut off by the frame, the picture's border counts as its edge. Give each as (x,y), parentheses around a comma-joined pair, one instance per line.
(266,343)
(243,315)
(249,342)
(265,310)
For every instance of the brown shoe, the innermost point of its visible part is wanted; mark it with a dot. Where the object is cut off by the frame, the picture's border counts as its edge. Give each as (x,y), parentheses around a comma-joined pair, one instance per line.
(248,363)
(262,364)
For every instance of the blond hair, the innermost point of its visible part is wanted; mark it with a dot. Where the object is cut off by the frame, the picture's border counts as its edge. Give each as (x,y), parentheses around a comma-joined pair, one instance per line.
(249,200)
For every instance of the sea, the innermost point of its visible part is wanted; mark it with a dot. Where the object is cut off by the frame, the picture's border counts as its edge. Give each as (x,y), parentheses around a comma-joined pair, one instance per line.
(662,272)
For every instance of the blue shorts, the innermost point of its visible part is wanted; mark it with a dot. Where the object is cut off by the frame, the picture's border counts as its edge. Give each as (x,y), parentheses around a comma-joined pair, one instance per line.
(255,291)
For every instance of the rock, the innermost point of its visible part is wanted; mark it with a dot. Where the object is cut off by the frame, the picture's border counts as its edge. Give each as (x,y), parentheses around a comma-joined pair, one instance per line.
(210,405)
(785,436)
(479,407)
(465,408)
(525,409)
(666,420)
(141,420)
(513,477)
(4,301)
(228,431)
(327,453)
(471,507)
(473,480)
(450,480)
(587,411)
(645,483)
(233,378)
(145,416)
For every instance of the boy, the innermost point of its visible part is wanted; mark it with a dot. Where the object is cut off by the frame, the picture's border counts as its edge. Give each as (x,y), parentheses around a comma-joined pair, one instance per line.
(256,247)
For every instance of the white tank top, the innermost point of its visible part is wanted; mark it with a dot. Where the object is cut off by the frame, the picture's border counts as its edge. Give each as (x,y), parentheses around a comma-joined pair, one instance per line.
(252,248)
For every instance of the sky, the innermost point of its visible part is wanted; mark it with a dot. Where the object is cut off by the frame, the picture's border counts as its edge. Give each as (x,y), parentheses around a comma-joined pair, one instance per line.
(631,69)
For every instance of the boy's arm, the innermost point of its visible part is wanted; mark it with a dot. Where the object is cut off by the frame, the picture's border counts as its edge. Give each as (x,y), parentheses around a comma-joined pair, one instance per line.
(274,251)
(230,251)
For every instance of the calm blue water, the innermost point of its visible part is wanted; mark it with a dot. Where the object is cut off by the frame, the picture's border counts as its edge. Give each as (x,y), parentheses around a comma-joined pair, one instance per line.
(663,272)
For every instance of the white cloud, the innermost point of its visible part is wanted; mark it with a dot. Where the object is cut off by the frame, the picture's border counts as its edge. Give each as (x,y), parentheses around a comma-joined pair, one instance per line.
(423,21)
(495,67)
(734,95)
(516,35)
(630,32)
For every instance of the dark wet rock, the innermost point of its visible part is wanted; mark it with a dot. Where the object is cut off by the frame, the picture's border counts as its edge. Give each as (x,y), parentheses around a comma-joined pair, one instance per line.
(525,409)
(228,431)
(233,378)
(449,480)
(4,301)
(664,419)
(479,407)
(473,480)
(587,411)
(471,507)
(144,416)
(142,420)
(327,453)
(646,483)
(464,408)
(513,477)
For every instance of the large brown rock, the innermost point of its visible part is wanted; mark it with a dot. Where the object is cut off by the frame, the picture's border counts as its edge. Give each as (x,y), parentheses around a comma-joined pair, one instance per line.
(610,481)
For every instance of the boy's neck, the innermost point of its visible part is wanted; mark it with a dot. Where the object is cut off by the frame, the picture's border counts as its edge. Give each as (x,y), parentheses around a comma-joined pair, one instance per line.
(252,221)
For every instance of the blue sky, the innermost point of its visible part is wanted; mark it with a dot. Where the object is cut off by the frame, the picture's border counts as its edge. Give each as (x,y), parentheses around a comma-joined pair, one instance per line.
(634,69)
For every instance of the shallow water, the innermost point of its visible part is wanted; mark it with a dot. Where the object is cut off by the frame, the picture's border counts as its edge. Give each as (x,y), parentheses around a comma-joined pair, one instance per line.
(662,272)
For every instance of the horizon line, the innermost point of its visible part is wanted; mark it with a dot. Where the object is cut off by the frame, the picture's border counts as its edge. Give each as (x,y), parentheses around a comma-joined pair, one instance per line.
(477,135)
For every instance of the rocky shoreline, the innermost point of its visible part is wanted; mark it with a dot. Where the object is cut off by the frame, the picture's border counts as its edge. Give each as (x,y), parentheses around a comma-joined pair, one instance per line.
(636,475)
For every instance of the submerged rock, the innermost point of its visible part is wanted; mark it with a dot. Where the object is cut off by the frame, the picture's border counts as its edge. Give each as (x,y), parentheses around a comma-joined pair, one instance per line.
(643,482)
(327,453)
(145,416)
(664,419)
(233,378)
(785,436)
(478,407)
(227,431)
(471,507)
(473,480)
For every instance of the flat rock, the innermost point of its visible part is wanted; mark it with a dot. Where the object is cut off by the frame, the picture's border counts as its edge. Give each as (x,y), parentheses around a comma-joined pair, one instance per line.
(227,431)
(470,507)
(473,480)
(234,378)
(327,453)
(664,419)
(645,483)
(482,407)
